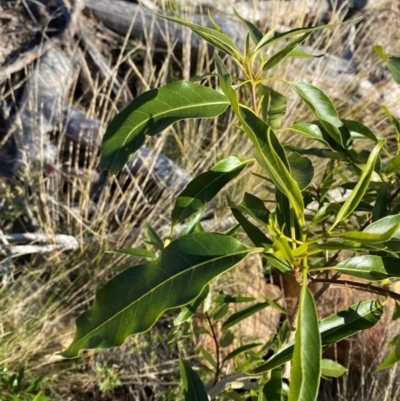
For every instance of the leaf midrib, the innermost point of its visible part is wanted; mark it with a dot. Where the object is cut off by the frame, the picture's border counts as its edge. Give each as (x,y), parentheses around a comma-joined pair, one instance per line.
(247,250)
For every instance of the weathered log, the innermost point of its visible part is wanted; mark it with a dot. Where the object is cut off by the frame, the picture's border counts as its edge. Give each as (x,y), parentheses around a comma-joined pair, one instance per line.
(123,17)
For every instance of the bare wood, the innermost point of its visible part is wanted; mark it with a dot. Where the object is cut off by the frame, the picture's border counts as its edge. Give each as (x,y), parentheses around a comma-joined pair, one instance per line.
(117,15)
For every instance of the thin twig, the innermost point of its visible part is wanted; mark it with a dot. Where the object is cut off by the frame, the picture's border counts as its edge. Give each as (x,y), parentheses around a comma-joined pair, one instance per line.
(215,338)
(360,286)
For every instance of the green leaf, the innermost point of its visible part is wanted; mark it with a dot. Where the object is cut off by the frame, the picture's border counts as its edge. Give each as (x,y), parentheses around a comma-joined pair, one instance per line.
(385,225)
(370,237)
(227,339)
(296,53)
(267,40)
(228,299)
(306,366)
(309,130)
(396,311)
(152,237)
(359,191)
(272,389)
(272,157)
(325,212)
(381,53)
(323,108)
(135,299)
(208,357)
(254,32)
(193,387)
(212,36)
(237,317)
(253,232)
(285,52)
(137,252)
(152,112)
(348,322)
(280,264)
(193,226)
(188,311)
(267,146)
(302,170)
(369,267)
(272,105)
(364,131)
(381,203)
(240,350)
(392,359)
(255,207)
(393,64)
(331,368)
(394,165)
(205,187)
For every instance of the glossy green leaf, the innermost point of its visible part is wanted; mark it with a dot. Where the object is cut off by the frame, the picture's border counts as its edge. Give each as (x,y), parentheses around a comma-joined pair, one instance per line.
(193,226)
(135,299)
(392,359)
(272,157)
(152,237)
(205,187)
(362,130)
(393,64)
(381,204)
(309,130)
(240,350)
(325,212)
(272,105)
(285,52)
(268,149)
(212,36)
(237,317)
(267,40)
(385,225)
(272,389)
(302,170)
(137,252)
(254,207)
(394,165)
(254,32)
(306,365)
(331,368)
(188,311)
(280,264)
(193,387)
(359,191)
(253,232)
(320,153)
(348,322)
(323,108)
(370,237)
(152,112)
(369,267)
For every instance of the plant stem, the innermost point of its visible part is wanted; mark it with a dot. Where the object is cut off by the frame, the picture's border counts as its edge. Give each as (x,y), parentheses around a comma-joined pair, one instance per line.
(359,286)
(215,338)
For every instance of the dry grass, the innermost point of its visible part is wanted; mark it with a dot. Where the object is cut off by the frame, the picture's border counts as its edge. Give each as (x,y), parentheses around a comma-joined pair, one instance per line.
(49,291)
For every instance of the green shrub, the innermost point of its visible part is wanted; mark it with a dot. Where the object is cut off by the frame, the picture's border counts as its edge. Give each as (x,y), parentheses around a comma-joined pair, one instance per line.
(289,236)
